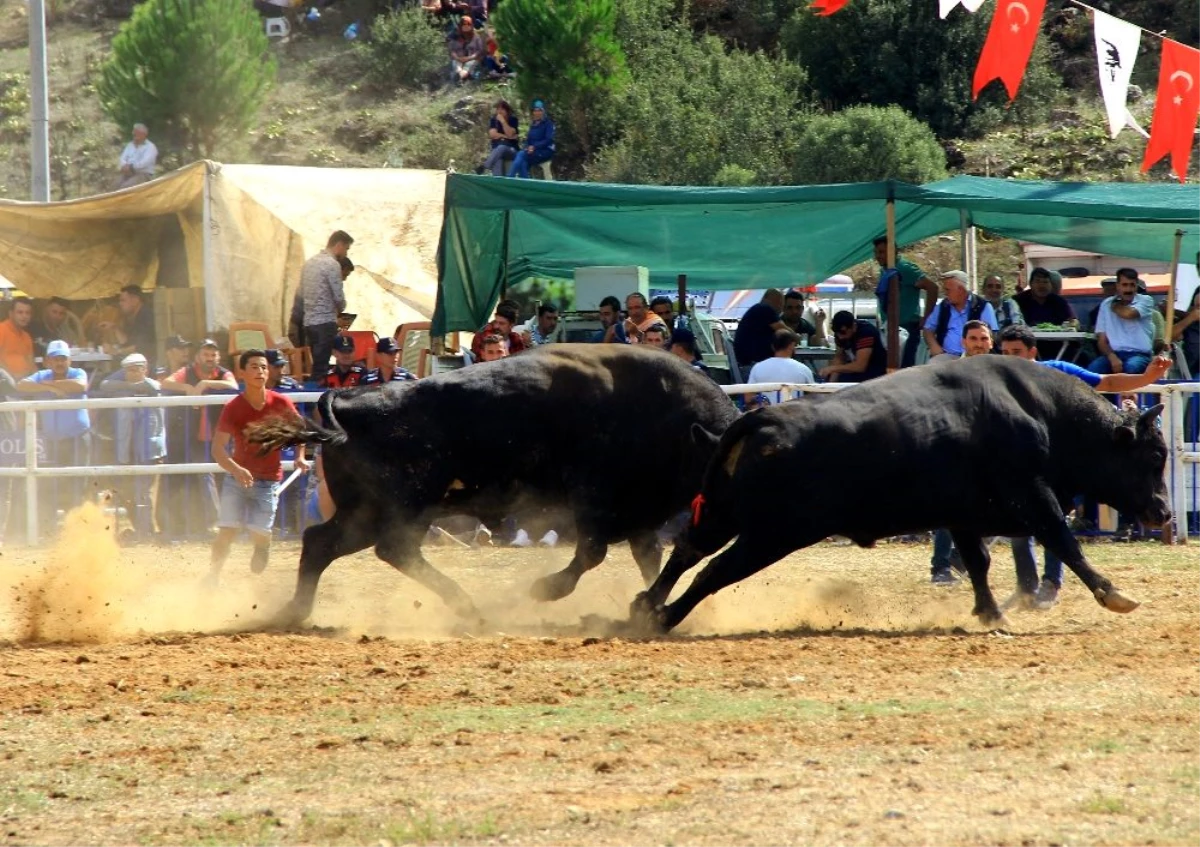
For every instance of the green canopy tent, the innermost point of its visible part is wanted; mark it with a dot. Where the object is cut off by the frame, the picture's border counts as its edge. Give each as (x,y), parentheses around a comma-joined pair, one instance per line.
(498,232)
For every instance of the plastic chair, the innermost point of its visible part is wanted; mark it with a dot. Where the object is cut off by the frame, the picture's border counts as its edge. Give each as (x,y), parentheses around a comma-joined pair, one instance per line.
(278,28)
(544,167)
(1181,361)
(299,362)
(412,339)
(249,335)
(364,345)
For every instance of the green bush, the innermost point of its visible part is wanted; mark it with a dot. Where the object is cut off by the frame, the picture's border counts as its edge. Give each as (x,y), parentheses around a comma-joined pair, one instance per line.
(735,176)
(692,108)
(194,71)
(405,49)
(898,52)
(867,144)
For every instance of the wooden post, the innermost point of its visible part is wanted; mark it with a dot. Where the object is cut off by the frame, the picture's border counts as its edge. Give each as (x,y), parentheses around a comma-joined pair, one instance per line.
(893,300)
(1171,289)
(681,281)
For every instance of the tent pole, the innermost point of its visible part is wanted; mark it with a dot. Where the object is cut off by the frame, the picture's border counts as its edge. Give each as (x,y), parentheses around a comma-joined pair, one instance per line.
(1171,288)
(206,252)
(973,270)
(893,306)
(681,281)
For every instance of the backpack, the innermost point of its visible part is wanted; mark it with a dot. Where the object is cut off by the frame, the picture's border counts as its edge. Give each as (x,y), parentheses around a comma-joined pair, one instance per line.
(975,305)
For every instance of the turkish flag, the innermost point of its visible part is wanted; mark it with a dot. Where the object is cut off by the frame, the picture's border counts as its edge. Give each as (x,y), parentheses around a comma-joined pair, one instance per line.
(825,8)
(1174,126)
(1009,45)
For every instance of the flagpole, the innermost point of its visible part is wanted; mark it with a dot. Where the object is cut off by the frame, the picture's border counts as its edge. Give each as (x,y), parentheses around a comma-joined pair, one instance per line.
(1171,288)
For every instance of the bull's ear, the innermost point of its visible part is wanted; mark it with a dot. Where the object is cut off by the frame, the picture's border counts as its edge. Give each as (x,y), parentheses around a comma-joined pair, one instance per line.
(1124,434)
(1148,416)
(702,438)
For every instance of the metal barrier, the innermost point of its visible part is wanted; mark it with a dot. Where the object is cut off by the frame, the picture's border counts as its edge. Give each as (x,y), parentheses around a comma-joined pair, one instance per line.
(32,470)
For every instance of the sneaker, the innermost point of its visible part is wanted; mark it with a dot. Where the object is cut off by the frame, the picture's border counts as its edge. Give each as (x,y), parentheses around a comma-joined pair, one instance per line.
(258,561)
(521,539)
(1046,597)
(549,539)
(943,576)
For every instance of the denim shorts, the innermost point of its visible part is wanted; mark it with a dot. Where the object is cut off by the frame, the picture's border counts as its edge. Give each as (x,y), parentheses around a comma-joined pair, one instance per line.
(250,508)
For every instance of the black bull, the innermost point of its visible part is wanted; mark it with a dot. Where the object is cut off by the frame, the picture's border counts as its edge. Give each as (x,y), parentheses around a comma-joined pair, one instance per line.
(618,435)
(987,446)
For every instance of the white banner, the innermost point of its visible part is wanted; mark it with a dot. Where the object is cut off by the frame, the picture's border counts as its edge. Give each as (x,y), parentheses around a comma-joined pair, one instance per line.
(1116,51)
(944,6)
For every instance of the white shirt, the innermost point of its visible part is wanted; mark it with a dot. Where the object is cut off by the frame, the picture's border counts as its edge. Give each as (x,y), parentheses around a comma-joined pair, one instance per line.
(141,157)
(779,369)
(1130,334)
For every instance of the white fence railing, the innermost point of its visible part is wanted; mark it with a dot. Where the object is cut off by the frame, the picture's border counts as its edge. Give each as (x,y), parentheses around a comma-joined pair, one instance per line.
(31,471)
(1182,473)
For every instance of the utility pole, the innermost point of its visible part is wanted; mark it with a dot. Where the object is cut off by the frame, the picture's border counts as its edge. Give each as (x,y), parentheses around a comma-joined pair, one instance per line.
(39,105)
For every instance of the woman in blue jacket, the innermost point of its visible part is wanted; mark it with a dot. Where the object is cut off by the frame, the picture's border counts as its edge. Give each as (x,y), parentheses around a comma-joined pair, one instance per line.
(539,143)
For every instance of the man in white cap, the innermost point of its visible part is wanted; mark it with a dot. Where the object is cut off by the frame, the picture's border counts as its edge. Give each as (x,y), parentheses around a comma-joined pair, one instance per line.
(66,434)
(140,435)
(944,327)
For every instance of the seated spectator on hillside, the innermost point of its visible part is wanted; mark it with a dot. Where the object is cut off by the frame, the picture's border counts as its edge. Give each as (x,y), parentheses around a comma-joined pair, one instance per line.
(140,436)
(54,324)
(495,62)
(135,333)
(861,354)
(944,327)
(664,308)
(387,358)
(752,343)
(505,137)
(491,348)
(793,318)
(683,345)
(656,337)
(65,435)
(16,344)
(639,319)
(503,325)
(976,339)
(138,159)
(277,380)
(542,328)
(1125,328)
(347,372)
(466,51)
(612,329)
(539,143)
(1006,308)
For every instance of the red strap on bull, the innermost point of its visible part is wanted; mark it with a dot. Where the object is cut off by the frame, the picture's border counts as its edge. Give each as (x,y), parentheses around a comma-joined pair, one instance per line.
(697,505)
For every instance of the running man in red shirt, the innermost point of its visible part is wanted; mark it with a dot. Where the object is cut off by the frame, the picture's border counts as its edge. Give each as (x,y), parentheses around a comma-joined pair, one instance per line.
(250,492)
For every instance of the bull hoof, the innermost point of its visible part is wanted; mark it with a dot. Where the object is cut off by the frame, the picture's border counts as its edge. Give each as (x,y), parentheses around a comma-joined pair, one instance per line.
(290,616)
(645,618)
(992,618)
(553,587)
(1115,601)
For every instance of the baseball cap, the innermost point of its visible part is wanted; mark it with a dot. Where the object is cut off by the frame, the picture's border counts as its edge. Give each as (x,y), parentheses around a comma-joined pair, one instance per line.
(177,341)
(343,344)
(386,345)
(959,275)
(133,359)
(275,358)
(208,342)
(538,104)
(58,348)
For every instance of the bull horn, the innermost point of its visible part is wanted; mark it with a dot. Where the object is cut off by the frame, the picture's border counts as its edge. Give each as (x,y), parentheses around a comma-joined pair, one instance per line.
(1150,414)
(1115,601)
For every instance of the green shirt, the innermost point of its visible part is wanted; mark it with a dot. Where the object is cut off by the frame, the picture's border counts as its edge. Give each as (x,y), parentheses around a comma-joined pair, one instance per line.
(910,294)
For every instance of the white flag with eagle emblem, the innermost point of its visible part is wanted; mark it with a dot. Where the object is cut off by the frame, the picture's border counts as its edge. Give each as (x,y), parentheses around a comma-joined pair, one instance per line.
(1116,51)
(944,6)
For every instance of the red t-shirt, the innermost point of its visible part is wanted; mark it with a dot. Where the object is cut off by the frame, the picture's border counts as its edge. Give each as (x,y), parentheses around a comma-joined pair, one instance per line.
(237,415)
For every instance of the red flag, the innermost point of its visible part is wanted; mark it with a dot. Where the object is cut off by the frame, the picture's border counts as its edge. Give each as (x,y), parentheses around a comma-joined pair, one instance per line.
(1174,126)
(1009,44)
(825,8)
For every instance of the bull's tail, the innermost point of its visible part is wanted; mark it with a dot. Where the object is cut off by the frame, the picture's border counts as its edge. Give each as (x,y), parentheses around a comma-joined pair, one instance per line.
(717,490)
(278,432)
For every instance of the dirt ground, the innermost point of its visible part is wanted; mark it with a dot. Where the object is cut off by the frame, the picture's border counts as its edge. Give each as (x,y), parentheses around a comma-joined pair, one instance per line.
(836,698)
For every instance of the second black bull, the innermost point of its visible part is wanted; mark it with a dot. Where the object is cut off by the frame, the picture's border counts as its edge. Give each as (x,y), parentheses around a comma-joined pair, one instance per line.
(987,446)
(618,435)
